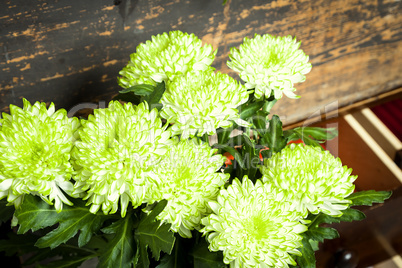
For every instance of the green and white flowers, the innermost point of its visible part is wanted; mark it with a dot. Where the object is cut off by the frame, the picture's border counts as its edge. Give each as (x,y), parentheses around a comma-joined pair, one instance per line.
(211,101)
(188,178)
(254,226)
(35,145)
(270,65)
(116,149)
(146,188)
(167,56)
(314,180)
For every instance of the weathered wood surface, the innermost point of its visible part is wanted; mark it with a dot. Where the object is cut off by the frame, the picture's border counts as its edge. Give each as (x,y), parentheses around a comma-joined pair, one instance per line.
(70,52)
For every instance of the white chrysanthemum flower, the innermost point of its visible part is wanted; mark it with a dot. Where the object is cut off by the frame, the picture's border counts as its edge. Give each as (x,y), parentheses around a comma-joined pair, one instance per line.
(117,146)
(165,57)
(254,226)
(35,145)
(270,64)
(314,179)
(187,178)
(201,102)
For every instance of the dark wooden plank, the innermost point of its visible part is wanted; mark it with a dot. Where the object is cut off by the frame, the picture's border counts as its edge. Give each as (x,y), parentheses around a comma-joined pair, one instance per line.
(70,52)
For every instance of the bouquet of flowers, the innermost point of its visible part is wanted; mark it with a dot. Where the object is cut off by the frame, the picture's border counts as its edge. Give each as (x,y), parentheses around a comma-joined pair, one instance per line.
(184,168)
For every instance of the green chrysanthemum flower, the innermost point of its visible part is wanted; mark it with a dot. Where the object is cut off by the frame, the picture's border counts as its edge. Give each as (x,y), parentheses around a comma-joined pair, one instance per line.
(165,57)
(254,226)
(188,179)
(201,102)
(270,65)
(35,145)
(315,180)
(116,148)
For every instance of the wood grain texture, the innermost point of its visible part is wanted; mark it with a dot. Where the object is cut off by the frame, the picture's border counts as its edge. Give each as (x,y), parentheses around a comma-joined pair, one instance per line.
(70,52)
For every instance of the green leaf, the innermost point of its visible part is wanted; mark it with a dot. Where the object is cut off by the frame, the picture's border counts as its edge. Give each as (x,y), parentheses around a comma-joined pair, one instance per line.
(311,135)
(351,214)
(128,97)
(204,258)
(6,212)
(70,262)
(140,90)
(274,136)
(237,156)
(367,198)
(307,259)
(268,106)
(224,133)
(141,259)
(35,214)
(249,153)
(321,233)
(153,98)
(25,245)
(150,232)
(321,134)
(18,244)
(348,215)
(176,259)
(249,109)
(120,250)
(260,122)
(314,245)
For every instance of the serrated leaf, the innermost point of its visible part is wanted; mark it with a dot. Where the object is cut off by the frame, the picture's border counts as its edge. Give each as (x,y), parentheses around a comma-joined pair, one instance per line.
(6,212)
(120,250)
(140,90)
(321,233)
(35,214)
(274,136)
(155,96)
(307,259)
(351,214)
(204,258)
(348,215)
(247,110)
(367,198)
(79,220)
(150,232)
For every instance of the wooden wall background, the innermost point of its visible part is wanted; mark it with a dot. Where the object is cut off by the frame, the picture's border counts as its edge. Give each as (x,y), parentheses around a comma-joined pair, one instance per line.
(70,52)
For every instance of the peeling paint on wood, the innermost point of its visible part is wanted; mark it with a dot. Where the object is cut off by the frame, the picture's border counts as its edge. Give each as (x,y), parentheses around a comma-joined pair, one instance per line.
(67,54)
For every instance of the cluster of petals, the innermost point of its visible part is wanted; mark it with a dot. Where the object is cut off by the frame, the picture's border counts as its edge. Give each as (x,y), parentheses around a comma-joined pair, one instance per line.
(271,65)
(165,57)
(254,226)
(35,146)
(188,178)
(313,179)
(199,103)
(117,148)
